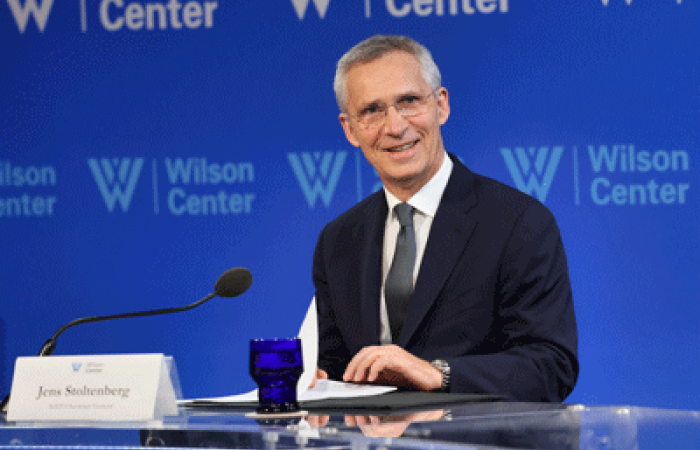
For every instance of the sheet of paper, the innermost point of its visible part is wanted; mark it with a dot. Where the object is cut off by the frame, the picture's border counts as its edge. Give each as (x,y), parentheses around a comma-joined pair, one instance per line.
(309,347)
(323,390)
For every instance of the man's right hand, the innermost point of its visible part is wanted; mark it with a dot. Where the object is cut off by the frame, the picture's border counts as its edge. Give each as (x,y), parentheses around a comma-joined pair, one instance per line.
(391,365)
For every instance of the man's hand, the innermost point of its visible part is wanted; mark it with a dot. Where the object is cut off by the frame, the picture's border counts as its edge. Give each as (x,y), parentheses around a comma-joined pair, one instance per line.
(392,365)
(318,421)
(391,426)
(319,375)
(384,426)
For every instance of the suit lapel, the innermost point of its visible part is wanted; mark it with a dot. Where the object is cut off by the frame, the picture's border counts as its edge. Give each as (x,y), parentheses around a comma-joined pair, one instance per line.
(449,235)
(371,268)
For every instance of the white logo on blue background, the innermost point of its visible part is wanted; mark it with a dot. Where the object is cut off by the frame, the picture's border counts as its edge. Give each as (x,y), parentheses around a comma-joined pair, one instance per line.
(30,8)
(300,7)
(533,168)
(318,174)
(116,178)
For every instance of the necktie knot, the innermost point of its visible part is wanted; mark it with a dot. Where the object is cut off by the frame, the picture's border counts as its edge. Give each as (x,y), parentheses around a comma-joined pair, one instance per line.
(404,212)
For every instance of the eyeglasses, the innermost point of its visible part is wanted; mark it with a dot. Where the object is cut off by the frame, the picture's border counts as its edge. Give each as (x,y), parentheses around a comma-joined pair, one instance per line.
(409,105)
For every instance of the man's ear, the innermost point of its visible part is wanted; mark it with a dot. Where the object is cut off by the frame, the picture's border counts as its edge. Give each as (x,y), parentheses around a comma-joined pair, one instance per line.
(443,105)
(349,129)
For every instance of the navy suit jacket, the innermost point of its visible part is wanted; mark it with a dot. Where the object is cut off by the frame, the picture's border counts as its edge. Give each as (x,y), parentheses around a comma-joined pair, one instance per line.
(492,296)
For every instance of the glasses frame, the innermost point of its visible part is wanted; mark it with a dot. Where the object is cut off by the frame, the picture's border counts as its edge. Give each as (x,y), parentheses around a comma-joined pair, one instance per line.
(421,103)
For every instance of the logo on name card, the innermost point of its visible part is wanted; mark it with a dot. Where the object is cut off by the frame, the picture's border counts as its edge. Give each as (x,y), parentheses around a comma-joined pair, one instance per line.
(318,173)
(533,168)
(116,179)
(76,366)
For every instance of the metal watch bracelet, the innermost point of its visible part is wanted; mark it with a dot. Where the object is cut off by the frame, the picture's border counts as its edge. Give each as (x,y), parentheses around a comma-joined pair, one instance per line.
(444,367)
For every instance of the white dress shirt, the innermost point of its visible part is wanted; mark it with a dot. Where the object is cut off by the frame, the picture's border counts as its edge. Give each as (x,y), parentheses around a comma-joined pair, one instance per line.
(425,203)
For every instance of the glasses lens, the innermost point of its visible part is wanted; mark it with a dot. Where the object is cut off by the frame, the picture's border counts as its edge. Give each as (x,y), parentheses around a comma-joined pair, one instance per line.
(372,116)
(412,109)
(408,107)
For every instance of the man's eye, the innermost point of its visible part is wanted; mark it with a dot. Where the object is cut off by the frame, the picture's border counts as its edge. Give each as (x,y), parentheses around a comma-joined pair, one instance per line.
(409,100)
(370,110)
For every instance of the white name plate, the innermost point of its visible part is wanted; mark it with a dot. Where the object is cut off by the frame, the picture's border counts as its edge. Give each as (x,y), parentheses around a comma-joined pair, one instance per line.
(91,388)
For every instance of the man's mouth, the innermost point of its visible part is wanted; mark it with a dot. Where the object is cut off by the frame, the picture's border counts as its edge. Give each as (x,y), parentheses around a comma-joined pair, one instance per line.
(402,148)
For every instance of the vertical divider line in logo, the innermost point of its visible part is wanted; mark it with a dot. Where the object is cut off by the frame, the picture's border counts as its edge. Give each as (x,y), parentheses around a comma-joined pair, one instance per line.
(368,9)
(83,16)
(358,169)
(577,196)
(155,186)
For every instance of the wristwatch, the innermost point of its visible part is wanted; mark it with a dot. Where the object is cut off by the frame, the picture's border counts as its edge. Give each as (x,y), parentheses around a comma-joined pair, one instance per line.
(442,366)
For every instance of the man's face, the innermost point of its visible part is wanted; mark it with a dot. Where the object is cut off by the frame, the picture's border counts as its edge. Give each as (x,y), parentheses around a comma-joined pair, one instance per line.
(406,151)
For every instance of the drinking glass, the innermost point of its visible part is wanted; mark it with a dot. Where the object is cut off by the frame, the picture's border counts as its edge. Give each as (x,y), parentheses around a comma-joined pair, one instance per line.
(276,365)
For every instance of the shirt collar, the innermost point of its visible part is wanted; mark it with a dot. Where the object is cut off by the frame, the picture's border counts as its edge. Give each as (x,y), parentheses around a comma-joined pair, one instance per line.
(428,198)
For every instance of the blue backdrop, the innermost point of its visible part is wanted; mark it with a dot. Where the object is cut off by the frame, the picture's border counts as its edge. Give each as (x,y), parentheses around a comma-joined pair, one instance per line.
(149,146)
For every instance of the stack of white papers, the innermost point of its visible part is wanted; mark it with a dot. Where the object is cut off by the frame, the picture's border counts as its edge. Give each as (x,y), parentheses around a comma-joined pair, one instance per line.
(323,390)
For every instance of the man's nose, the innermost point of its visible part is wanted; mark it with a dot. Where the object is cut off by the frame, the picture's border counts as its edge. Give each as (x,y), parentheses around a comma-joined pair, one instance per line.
(394,122)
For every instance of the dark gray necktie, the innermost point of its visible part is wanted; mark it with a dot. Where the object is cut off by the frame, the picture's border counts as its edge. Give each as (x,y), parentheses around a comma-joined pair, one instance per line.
(399,282)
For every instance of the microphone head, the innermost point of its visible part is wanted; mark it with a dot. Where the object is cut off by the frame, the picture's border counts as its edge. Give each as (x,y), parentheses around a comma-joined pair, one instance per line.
(233,282)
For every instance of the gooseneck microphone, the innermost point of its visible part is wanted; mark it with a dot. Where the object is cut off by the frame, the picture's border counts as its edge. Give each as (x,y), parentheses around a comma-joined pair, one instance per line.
(231,283)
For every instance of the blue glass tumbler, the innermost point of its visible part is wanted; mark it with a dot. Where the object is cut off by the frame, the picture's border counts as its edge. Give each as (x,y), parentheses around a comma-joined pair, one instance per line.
(276,365)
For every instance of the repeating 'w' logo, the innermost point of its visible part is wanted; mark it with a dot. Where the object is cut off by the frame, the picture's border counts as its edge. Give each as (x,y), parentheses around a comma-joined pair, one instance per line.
(318,174)
(22,13)
(533,168)
(301,5)
(116,179)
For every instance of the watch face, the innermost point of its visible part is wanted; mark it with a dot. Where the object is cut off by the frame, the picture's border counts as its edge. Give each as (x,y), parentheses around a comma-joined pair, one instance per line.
(440,364)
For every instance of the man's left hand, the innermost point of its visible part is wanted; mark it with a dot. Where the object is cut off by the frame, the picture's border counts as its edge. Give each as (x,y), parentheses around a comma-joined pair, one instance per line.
(392,365)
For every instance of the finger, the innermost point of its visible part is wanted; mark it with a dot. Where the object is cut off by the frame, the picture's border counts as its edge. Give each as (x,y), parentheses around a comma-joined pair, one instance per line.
(354,364)
(351,369)
(378,365)
(363,420)
(314,421)
(365,365)
(320,374)
(318,421)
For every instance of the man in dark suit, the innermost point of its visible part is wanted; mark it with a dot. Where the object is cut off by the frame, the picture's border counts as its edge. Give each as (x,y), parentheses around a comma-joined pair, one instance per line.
(482,301)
